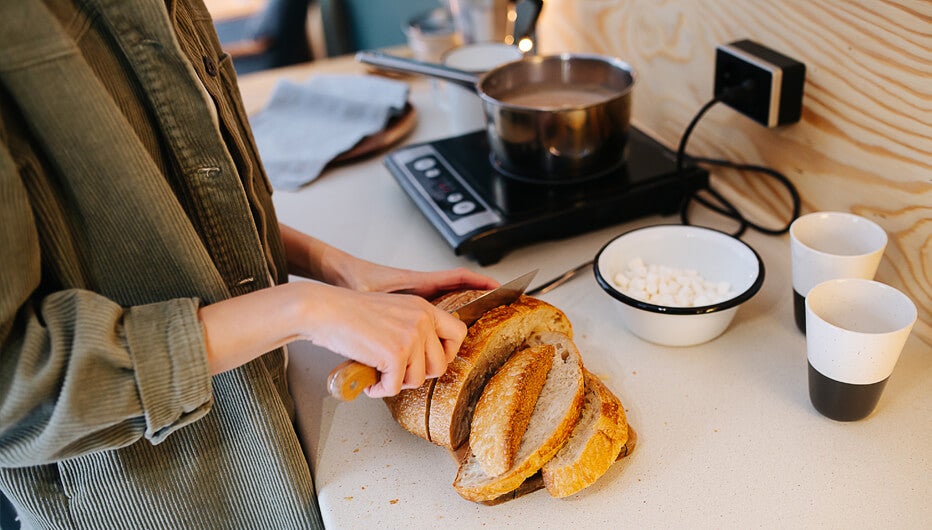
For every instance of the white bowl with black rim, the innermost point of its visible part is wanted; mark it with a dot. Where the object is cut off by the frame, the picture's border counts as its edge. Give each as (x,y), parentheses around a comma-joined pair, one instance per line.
(716,257)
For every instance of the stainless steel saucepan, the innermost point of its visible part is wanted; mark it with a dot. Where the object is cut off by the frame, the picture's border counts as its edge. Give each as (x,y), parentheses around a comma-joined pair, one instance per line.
(549,119)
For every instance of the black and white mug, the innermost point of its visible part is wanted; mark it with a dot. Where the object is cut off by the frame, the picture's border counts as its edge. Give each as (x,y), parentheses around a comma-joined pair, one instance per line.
(829,245)
(856,329)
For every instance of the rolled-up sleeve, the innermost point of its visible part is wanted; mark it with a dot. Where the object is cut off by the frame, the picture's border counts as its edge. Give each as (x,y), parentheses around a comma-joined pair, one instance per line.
(78,372)
(166,344)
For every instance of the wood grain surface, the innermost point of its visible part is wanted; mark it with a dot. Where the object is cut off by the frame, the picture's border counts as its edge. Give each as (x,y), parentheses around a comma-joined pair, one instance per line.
(864,144)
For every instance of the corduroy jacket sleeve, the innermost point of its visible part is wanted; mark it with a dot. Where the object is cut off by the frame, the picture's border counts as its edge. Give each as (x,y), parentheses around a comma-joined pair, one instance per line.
(71,381)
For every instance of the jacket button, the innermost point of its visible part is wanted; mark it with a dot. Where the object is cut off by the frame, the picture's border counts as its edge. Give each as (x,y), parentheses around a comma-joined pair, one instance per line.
(209,66)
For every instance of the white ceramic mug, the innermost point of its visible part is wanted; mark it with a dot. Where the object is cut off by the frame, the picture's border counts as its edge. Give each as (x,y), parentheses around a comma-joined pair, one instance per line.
(856,329)
(829,245)
(464,105)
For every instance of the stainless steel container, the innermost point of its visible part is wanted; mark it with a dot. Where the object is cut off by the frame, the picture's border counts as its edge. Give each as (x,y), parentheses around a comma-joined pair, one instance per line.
(558,117)
(549,119)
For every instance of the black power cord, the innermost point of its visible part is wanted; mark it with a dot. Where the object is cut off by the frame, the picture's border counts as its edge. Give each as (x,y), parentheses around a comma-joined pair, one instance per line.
(721,205)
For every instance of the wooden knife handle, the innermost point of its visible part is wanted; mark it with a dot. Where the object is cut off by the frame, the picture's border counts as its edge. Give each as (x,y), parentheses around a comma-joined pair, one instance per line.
(350,378)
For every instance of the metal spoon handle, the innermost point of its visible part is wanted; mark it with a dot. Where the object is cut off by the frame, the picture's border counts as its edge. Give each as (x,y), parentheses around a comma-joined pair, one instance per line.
(550,285)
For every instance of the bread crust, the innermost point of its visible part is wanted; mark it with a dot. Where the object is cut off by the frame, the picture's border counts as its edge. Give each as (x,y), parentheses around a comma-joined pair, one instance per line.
(410,408)
(455,299)
(504,408)
(555,415)
(594,444)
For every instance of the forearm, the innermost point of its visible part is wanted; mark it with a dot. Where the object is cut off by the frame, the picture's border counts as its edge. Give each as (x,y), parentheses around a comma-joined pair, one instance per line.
(311,258)
(404,337)
(240,329)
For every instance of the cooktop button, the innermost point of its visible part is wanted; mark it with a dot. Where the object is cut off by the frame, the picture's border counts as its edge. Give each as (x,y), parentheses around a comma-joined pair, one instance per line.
(432,173)
(454,197)
(423,164)
(463,208)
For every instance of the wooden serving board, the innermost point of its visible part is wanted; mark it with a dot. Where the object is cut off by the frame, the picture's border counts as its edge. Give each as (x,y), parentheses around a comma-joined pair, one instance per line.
(397,128)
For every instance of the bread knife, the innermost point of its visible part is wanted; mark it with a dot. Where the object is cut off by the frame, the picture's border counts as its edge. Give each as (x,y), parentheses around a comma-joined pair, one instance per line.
(351,377)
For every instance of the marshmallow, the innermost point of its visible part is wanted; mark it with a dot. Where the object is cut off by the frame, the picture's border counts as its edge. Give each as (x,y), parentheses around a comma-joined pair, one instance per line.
(670,286)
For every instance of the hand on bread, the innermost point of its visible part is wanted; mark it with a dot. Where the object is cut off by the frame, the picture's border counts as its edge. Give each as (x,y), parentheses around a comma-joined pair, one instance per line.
(403,336)
(371,277)
(312,258)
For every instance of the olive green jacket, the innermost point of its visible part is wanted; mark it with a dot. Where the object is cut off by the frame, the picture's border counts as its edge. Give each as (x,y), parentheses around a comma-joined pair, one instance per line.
(131,194)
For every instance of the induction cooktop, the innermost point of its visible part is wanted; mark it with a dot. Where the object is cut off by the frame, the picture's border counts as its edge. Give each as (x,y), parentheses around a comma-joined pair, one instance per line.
(483,212)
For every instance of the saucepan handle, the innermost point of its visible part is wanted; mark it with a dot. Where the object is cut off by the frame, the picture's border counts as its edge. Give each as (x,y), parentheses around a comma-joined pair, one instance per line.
(394,63)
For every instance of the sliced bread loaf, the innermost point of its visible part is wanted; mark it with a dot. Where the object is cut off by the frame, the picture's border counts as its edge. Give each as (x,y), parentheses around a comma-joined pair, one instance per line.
(504,408)
(441,409)
(555,414)
(594,444)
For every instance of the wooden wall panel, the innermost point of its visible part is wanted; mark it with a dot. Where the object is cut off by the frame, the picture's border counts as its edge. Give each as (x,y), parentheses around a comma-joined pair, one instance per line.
(864,143)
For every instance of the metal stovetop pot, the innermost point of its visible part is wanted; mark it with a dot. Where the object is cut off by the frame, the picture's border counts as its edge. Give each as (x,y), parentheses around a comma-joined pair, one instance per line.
(549,119)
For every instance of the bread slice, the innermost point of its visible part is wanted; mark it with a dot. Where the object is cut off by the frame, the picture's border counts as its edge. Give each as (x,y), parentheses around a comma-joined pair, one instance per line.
(488,344)
(594,444)
(555,414)
(536,481)
(504,408)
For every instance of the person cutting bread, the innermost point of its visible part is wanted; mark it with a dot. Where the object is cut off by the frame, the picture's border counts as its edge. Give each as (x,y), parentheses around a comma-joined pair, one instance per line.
(145,302)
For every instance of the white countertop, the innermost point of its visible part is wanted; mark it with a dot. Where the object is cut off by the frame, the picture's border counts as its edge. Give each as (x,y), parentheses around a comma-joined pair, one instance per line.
(726,434)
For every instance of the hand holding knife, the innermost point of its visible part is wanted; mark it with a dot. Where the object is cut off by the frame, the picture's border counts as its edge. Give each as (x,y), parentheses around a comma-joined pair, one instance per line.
(350,378)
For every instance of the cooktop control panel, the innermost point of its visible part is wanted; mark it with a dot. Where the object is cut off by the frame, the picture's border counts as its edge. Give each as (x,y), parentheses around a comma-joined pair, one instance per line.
(436,186)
